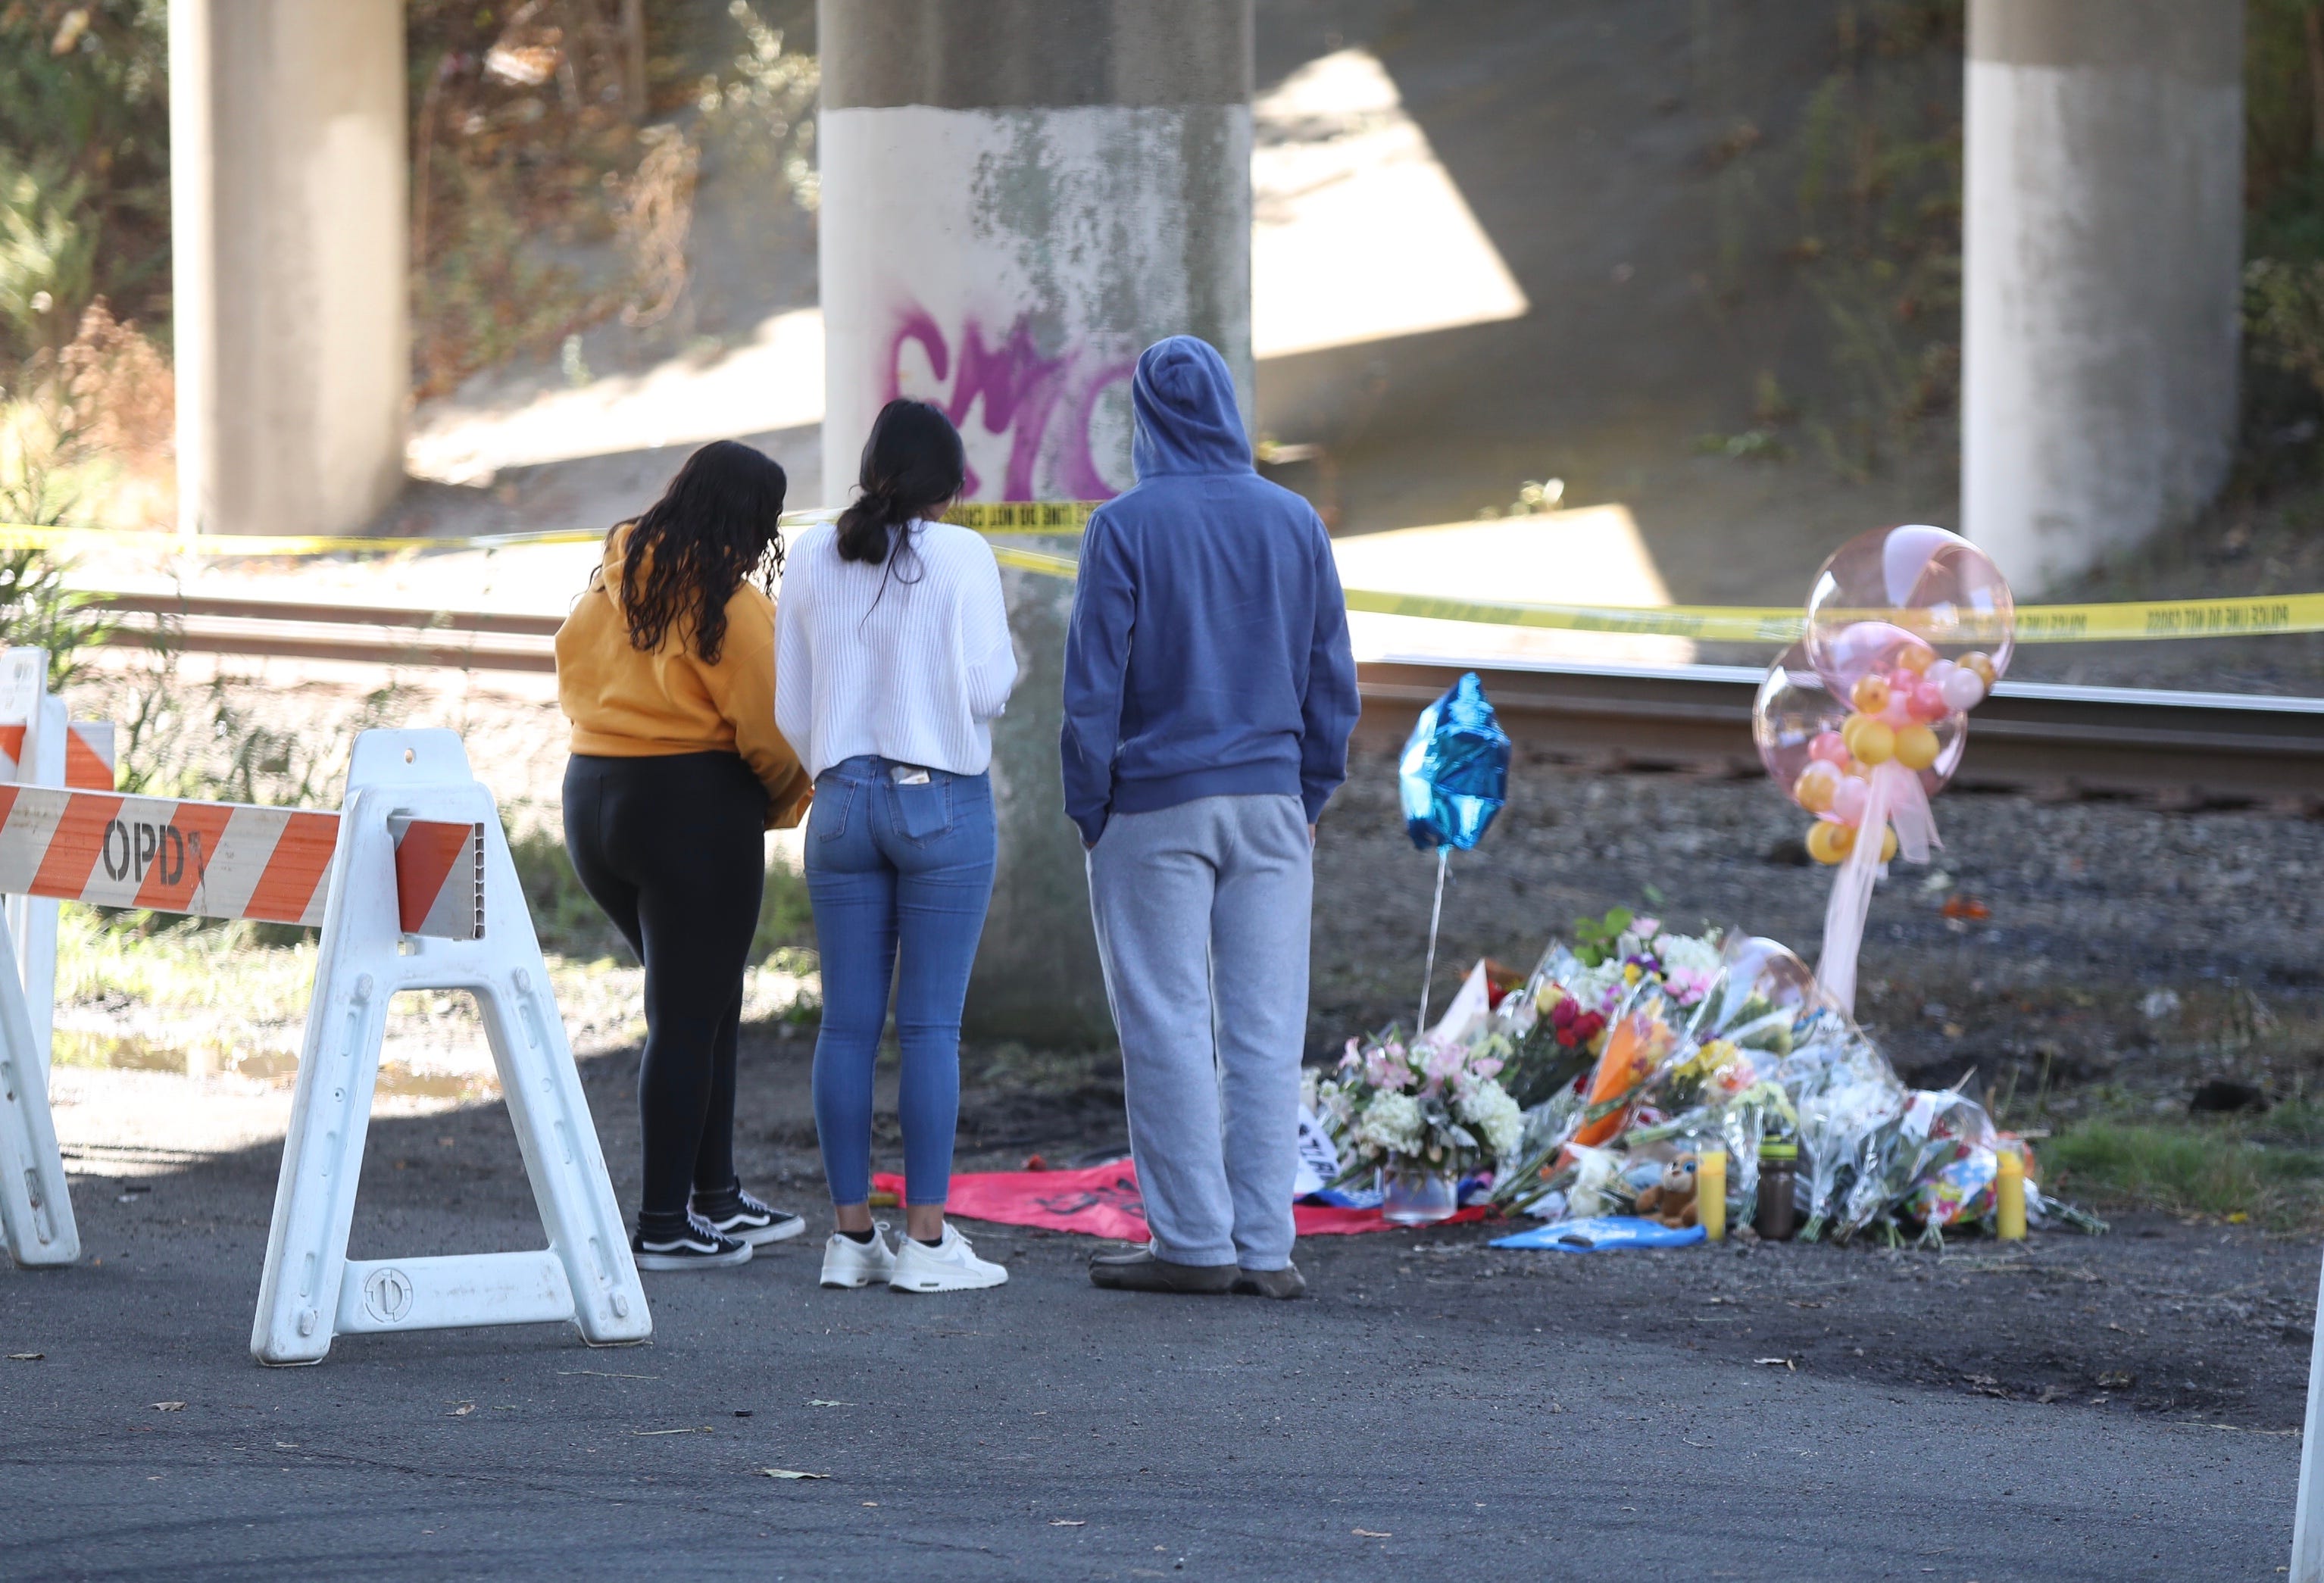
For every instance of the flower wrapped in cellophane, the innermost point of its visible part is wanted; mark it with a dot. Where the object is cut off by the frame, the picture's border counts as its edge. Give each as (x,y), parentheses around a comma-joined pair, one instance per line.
(1395,1105)
(1632,1044)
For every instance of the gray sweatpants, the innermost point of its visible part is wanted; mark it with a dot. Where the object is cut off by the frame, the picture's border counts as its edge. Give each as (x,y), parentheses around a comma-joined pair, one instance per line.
(1202,918)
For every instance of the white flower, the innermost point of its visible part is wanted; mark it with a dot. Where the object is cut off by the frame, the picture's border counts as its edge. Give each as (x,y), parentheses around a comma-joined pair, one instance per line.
(1593,987)
(1687,953)
(1310,1082)
(1391,1122)
(1487,1108)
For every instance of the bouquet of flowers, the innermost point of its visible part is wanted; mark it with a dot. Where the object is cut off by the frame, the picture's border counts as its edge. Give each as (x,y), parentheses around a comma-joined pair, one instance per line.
(1632,1044)
(1416,1107)
(1558,1027)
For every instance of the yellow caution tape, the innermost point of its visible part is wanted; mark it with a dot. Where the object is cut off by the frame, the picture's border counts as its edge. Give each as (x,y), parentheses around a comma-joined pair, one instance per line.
(2134,621)
(2180,617)
(2137,622)
(1033,560)
(1044,518)
(1711,623)
(1028,517)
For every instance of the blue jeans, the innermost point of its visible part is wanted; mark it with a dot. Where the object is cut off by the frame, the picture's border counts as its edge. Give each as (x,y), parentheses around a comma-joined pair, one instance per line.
(895,870)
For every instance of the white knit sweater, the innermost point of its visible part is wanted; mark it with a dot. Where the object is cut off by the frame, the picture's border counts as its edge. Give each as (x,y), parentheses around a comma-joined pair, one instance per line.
(914,672)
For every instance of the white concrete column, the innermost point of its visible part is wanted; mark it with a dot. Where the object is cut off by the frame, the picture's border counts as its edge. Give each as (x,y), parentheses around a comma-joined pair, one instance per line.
(290,241)
(1018,196)
(2102,257)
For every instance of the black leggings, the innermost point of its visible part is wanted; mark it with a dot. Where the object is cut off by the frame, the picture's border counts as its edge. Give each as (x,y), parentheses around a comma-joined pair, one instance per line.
(671,848)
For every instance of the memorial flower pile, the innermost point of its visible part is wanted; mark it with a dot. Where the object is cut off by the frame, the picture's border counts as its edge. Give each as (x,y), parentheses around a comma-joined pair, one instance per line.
(1631,1045)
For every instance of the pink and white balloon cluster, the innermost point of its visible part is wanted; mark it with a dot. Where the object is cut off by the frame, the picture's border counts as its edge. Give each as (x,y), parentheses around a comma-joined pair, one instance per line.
(1865,718)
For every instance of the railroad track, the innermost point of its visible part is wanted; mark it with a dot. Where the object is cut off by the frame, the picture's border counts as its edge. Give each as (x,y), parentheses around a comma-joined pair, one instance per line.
(2174,749)
(361,634)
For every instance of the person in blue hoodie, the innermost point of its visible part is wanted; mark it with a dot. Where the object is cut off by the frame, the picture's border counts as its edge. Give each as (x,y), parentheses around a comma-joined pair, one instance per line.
(1209,696)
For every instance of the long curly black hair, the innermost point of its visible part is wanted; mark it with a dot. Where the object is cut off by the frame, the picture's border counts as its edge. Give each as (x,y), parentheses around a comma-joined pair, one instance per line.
(714,526)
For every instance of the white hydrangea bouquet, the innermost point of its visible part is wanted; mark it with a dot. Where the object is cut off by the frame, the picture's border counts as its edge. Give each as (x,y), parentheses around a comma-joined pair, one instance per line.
(1420,1107)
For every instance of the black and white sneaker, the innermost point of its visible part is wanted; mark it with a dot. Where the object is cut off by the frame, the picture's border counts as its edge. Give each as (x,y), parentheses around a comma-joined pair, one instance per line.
(700,1247)
(744,1218)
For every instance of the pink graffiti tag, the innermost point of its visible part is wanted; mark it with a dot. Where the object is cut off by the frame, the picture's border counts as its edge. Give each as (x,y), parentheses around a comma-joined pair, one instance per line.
(1022,392)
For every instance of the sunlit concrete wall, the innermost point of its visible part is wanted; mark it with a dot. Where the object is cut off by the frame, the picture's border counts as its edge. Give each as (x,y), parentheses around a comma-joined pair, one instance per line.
(289,175)
(1017,196)
(2102,254)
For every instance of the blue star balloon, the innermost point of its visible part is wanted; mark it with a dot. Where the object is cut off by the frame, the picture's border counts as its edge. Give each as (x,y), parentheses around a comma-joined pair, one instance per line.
(1454,774)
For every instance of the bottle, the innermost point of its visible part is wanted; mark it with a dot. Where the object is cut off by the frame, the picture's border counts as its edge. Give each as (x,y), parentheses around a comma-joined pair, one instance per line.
(1778,1215)
(1710,1193)
(2009,1194)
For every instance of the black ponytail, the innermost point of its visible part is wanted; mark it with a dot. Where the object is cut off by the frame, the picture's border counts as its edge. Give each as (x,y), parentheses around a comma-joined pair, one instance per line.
(913,466)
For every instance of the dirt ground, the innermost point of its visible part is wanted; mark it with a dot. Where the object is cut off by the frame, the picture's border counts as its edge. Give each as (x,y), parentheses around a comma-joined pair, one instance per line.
(2195,1322)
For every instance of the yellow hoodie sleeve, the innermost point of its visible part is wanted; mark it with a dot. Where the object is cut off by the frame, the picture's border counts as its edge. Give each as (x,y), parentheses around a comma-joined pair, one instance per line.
(741,684)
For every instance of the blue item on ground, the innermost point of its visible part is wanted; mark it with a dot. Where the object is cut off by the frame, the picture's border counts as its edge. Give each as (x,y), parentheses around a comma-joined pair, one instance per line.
(1454,774)
(1601,1233)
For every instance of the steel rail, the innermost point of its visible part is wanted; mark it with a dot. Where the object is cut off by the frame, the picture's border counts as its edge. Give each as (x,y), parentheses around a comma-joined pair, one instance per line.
(2178,748)
(361,634)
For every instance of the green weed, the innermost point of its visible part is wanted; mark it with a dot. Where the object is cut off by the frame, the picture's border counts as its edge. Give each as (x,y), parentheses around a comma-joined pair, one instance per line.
(2269,1169)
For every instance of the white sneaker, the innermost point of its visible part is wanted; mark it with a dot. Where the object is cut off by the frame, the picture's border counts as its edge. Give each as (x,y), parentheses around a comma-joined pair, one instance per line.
(952,1266)
(849,1263)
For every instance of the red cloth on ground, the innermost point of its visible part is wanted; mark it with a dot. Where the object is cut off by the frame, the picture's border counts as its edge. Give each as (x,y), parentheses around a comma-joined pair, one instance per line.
(1104,1201)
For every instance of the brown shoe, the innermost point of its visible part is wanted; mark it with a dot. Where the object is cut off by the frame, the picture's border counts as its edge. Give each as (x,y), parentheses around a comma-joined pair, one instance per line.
(1139,1270)
(1286,1282)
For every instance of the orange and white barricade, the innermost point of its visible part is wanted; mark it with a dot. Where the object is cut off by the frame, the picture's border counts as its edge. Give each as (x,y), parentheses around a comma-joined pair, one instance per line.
(413,887)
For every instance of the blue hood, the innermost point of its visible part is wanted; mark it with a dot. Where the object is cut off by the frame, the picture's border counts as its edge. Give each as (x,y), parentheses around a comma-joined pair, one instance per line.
(1187,419)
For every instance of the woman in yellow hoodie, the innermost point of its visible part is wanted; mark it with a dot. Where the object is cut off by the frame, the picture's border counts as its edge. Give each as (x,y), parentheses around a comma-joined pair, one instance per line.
(666,668)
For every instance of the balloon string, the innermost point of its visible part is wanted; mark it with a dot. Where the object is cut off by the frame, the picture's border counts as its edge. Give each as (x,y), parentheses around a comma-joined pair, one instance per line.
(1435,915)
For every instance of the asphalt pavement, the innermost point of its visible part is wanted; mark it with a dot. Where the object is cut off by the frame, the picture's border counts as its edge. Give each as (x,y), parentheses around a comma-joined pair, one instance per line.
(1403,1423)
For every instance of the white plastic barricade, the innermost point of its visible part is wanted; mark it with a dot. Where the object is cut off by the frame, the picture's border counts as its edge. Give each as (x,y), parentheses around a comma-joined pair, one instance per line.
(414,889)
(40,745)
(392,877)
(2308,1517)
(35,1210)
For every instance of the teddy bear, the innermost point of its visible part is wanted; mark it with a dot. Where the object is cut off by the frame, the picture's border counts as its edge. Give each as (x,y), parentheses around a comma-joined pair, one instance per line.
(1671,1201)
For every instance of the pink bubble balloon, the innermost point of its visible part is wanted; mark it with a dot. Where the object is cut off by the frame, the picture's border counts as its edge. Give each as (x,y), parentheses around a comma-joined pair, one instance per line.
(1892,589)
(1847,801)
(1858,650)
(1899,713)
(1929,704)
(1795,722)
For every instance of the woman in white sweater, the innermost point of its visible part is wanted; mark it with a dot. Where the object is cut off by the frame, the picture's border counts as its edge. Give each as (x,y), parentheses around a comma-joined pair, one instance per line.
(892,658)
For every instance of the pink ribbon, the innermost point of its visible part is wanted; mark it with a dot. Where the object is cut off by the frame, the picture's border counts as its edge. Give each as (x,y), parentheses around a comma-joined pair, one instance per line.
(1897,798)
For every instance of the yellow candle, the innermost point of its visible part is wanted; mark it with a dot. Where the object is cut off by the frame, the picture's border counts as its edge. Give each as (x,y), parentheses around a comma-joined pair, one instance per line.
(1710,1193)
(2009,1195)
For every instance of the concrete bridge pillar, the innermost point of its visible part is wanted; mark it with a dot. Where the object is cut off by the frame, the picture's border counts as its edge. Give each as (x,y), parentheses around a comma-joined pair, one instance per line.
(2102,258)
(1017,196)
(290,228)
